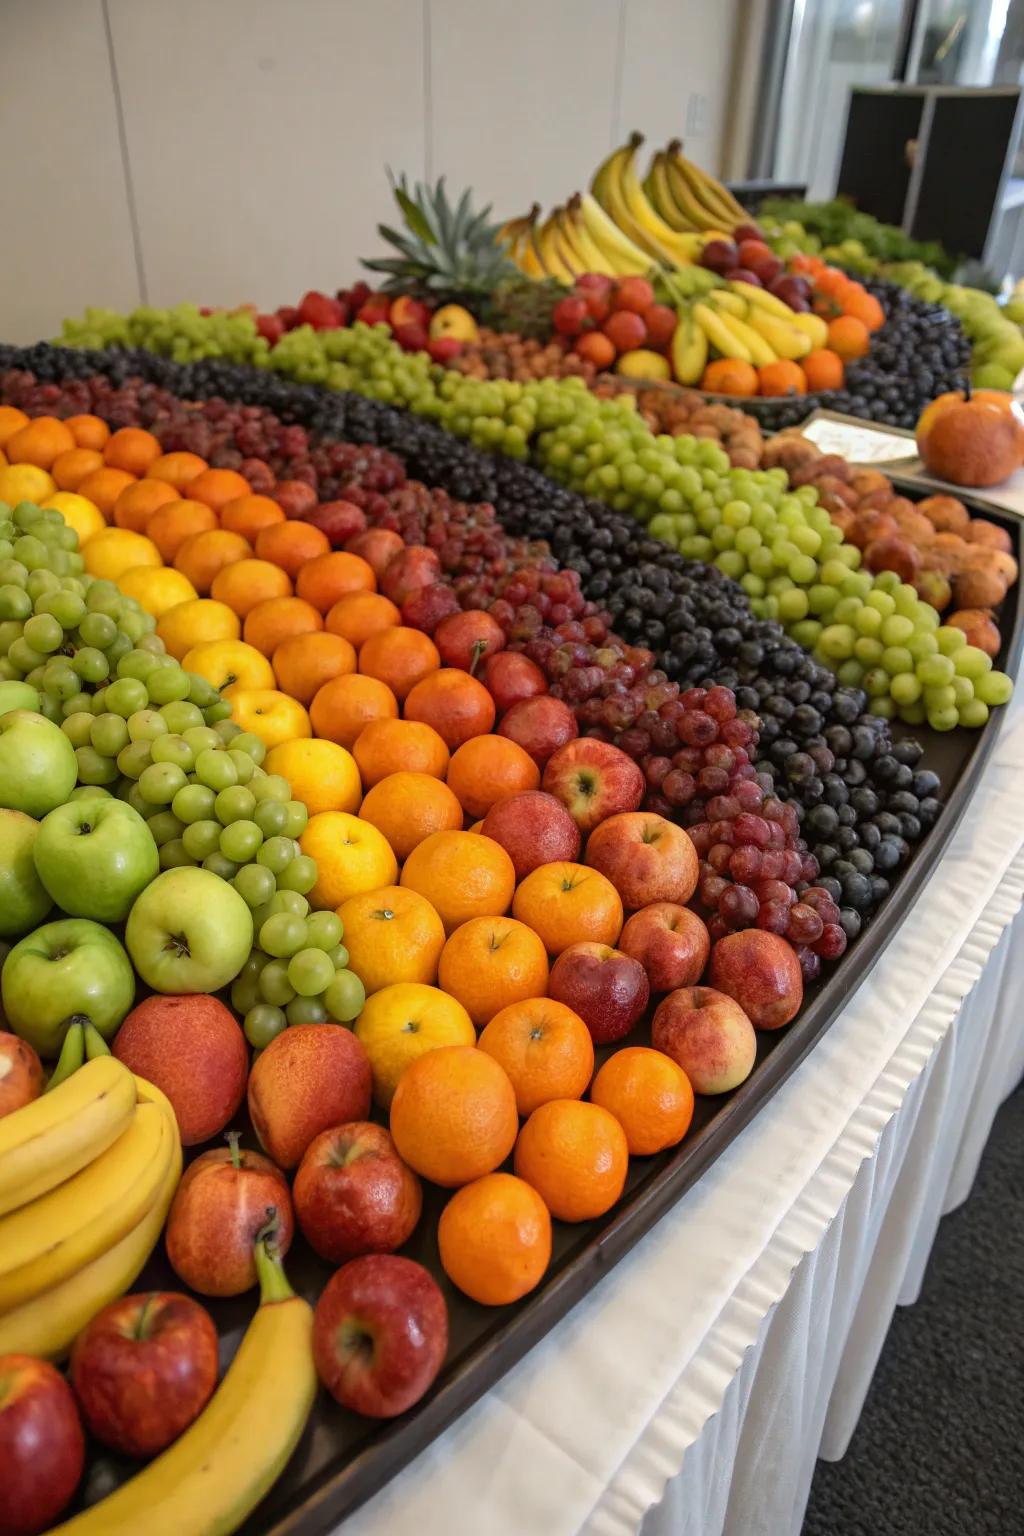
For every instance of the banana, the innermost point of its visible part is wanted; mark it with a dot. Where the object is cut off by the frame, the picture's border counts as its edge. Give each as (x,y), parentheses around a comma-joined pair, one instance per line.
(605,233)
(60,1133)
(570,251)
(689,350)
(554,265)
(42,1243)
(730,303)
(49,1323)
(707,192)
(659,190)
(812,326)
(763,299)
(206,1483)
(609,190)
(687,201)
(530,255)
(595,258)
(784,338)
(760,352)
(720,334)
(682,248)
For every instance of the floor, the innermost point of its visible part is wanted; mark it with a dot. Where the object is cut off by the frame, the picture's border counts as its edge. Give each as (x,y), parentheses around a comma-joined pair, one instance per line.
(938,1448)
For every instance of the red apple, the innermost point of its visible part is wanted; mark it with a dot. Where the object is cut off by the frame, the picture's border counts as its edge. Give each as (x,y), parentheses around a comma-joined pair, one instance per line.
(412,338)
(510,676)
(720,256)
(534,829)
(414,566)
(42,1447)
(193,1050)
(377,546)
(321,311)
(443,348)
(607,988)
(429,606)
(645,857)
(708,1035)
(143,1369)
(353,1193)
(468,638)
(271,328)
(671,943)
(593,780)
(761,971)
(375,311)
(744,275)
(748,231)
(596,289)
(570,315)
(295,497)
(339,520)
(310,1077)
(21,1073)
(406,310)
(661,322)
(380,1334)
(288,316)
(218,1208)
(540,726)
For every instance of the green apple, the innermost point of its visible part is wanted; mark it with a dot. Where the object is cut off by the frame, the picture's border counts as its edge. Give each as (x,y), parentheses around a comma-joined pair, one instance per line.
(63,972)
(38,767)
(24,901)
(19,696)
(95,856)
(189,931)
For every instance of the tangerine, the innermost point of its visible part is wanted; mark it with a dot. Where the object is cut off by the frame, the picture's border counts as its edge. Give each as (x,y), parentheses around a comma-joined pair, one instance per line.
(138,501)
(494,1239)
(545,1048)
(492,962)
(783,377)
(649,1095)
(342,708)
(104,486)
(132,449)
(402,1022)
(40,441)
(400,657)
(303,663)
(453,1116)
(407,807)
(327,578)
(849,337)
(88,431)
(291,544)
(455,704)
(217,487)
(576,1157)
(245,583)
(176,469)
(391,934)
(360,615)
(12,420)
(277,619)
(462,875)
(486,769)
(730,376)
(71,467)
(321,774)
(249,515)
(351,856)
(170,525)
(393,746)
(202,555)
(568,903)
(823,369)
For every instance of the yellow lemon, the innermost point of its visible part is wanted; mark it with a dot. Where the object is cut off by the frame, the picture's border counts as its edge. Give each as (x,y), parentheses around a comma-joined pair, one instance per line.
(197,621)
(81,514)
(322,775)
(25,482)
(109,554)
(229,663)
(351,856)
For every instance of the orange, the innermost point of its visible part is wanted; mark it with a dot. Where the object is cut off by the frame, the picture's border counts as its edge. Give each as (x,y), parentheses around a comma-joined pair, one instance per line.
(229,664)
(303,663)
(399,657)
(391,746)
(453,1116)
(40,442)
(71,467)
(12,420)
(567,904)
(327,578)
(176,469)
(342,708)
(649,1095)
(492,962)
(132,449)
(360,615)
(455,704)
(268,714)
(407,807)
(322,775)
(291,544)
(116,550)
(730,376)
(351,856)
(244,583)
(247,515)
(277,618)
(849,337)
(391,935)
(488,768)
(104,486)
(783,377)
(137,503)
(83,516)
(545,1048)
(217,487)
(203,555)
(196,621)
(174,522)
(89,431)
(823,369)
(157,588)
(576,1157)
(494,1239)
(863,306)
(462,875)
(402,1022)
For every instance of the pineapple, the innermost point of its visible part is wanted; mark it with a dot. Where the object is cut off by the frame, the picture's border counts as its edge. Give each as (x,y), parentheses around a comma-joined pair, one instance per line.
(523,305)
(446,255)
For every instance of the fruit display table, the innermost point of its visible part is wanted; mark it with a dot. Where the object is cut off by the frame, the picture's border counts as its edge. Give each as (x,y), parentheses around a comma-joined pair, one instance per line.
(693,1390)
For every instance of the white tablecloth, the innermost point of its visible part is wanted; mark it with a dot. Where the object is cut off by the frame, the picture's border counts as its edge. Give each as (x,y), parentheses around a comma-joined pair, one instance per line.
(694,1387)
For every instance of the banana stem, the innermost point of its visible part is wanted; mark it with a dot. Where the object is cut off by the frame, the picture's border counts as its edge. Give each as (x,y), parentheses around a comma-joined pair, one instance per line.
(269,1268)
(95,1045)
(72,1055)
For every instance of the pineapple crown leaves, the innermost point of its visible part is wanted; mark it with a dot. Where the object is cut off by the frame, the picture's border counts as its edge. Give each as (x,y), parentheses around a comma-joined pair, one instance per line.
(441,250)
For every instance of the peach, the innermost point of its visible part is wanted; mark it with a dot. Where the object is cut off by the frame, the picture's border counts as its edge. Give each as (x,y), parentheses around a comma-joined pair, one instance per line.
(876,501)
(870,525)
(864,481)
(192,1048)
(945,513)
(979,627)
(934,588)
(980,531)
(911,523)
(708,1034)
(978,589)
(21,1074)
(761,971)
(311,1077)
(831,485)
(893,554)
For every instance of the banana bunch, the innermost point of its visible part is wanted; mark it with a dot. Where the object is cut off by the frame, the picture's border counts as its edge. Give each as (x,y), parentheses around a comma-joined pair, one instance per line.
(220,1468)
(743,322)
(686,198)
(87,1174)
(576,237)
(618,189)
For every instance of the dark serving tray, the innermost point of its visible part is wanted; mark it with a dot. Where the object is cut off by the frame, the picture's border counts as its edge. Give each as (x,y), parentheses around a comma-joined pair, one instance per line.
(343,1460)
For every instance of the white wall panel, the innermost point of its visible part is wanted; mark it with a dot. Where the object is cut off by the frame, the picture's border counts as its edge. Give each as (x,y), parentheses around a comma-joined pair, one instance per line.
(66,238)
(258,137)
(523,95)
(676,68)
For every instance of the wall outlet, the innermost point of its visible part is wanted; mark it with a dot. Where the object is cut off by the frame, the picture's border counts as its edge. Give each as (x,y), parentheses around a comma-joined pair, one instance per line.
(696,116)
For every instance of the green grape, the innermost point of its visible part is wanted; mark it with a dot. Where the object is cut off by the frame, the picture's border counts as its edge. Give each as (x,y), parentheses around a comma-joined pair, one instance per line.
(993,688)
(837,641)
(262,1024)
(146,725)
(215,769)
(97,629)
(272,787)
(876,682)
(339,957)
(283,934)
(277,853)
(245,990)
(972,714)
(89,792)
(251,745)
(906,688)
(173,749)
(970,662)
(868,651)
(160,782)
(288,901)
(306,1010)
(25,657)
(254,884)
(936,671)
(218,713)
(167,684)
(300,875)
(226,728)
(324,930)
(943,720)
(344,996)
(201,838)
(896,630)
(244,765)
(240,840)
(274,984)
(868,621)
(234,804)
(127,696)
(202,693)
(94,769)
(921,645)
(137,664)
(201,737)
(109,734)
(296,818)
(44,633)
(219,864)
(138,802)
(310,971)
(193,802)
(181,716)
(119,647)
(60,680)
(270,816)
(78,728)
(165,826)
(949,638)
(937,700)
(897,659)
(32,553)
(133,759)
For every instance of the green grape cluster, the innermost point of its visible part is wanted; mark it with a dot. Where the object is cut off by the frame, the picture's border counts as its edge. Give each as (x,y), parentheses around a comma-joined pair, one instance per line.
(779,544)
(297,973)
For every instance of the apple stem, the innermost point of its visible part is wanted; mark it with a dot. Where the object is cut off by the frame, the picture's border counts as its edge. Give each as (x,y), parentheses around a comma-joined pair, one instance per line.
(72,1055)
(233,1138)
(142,1326)
(269,1268)
(479,647)
(95,1045)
